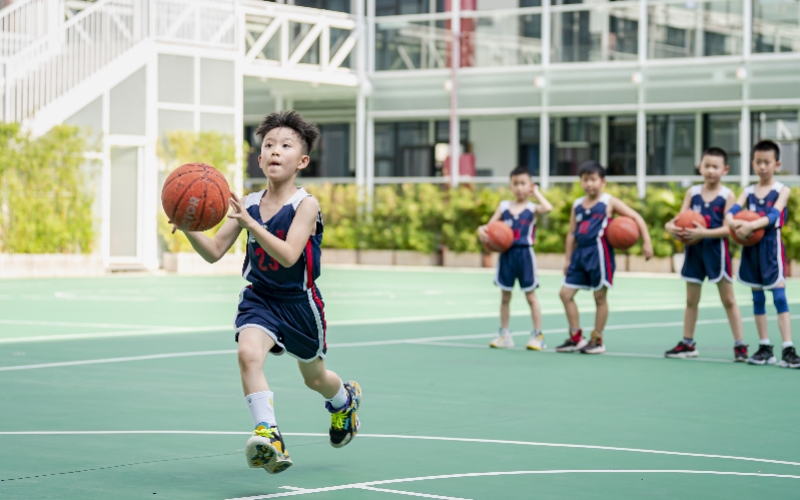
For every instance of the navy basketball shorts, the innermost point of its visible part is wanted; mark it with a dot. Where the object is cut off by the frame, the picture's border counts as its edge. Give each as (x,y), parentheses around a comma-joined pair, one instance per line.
(591,267)
(296,322)
(710,259)
(763,265)
(518,263)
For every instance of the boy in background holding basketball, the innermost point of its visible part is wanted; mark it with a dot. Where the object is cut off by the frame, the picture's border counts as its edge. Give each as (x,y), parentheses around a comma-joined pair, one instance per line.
(763,264)
(519,262)
(281,310)
(589,258)
(707,254)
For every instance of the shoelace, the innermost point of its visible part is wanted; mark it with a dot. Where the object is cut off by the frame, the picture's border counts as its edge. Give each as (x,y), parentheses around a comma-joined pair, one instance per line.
(264,432)
(339,420)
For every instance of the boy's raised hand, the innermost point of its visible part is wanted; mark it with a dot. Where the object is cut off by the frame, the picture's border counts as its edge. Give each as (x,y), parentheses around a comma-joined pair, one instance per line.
(483,234)
(239,213)
(674,231)
(647,250)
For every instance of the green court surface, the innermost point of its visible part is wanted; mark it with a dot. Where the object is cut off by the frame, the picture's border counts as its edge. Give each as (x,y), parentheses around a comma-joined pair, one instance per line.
(128,387)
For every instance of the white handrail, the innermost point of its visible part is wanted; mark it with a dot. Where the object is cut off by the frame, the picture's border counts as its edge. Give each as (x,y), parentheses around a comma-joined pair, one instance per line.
(26,21)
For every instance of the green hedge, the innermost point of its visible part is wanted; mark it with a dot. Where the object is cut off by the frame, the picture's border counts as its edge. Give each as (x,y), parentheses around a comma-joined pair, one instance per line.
(46,192)
(424,217)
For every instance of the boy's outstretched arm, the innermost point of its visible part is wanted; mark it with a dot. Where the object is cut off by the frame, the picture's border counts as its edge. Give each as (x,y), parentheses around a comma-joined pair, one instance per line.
(675,231)
(543,206)
(729,220)
(621,208)
(482,229)
(745,229)
(285,252)
(569,245)
(212,249)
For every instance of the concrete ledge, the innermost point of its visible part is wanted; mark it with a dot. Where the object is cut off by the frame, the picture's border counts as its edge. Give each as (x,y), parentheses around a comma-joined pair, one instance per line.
(637,263)
(376,257)
(190,263)
(411,258)
(466,259)
(50,265)
(553,261)
(339,256)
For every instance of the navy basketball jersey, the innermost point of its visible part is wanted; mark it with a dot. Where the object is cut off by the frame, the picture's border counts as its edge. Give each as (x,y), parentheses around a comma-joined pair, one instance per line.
(712,211)
(261,269)
(523,224)
(762,205)
(590,223)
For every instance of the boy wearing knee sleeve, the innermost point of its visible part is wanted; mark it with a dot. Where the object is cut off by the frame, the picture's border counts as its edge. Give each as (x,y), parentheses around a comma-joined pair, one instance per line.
(707,254)
(763,264)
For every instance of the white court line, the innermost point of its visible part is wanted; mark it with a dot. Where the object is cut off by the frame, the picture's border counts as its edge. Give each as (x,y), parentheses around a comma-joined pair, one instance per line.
(70,323)
(403,436)
(384,490)
(512,473)
(436,341)
(132,333)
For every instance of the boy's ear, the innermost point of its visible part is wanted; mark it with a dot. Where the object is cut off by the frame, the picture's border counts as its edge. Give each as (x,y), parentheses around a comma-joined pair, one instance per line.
(304,161)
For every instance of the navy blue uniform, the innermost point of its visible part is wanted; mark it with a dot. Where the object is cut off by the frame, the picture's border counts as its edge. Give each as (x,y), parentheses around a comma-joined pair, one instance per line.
(284,303)
(519,262)
(763,264)
(711,257)
(592,265)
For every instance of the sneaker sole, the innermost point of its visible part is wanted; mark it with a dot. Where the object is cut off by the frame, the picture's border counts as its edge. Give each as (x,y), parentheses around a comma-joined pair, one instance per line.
(770,361)
(262,455)
(784,364)
(683,355)
(600,350)
(500,346)
(349,437)
(577,347)
(357,405)
(535,347)
(740,360)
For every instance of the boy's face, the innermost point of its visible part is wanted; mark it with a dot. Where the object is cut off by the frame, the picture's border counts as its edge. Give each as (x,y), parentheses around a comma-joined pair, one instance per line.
(764,164)
(592,184)
(713,168)
(282,154)
(521,185)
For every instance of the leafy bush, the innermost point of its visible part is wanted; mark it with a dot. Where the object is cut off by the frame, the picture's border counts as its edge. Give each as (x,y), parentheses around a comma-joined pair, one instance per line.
(181,147)
(46,192)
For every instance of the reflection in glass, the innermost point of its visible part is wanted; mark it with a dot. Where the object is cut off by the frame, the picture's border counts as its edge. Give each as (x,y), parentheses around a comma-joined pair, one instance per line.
(776,26)
(403,149)
(604,34)
(673,29)
(670,145)
(577,139)
(622,145)
(722,130)
(502,40)
(407,45)
(783,128)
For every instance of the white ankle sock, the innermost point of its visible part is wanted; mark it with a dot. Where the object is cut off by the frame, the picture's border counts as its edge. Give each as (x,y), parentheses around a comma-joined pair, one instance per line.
(340,399)
(788,344)
(764,342)
(260,406)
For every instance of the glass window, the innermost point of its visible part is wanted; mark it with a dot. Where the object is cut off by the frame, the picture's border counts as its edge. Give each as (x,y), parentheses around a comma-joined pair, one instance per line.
(506,40)
(781,127)
(90,118)
(403,149)
(124,191)
(605,34)
(443,131)
(400,7)
(216,82)
(407,45)
(722,130)
(576,140)
(776,26)
(175,79)
(670,145)
(621,145)
(332,156)
(174,120)
(218,122)
(529,148)
(337,5)
(695,29)
(127,105)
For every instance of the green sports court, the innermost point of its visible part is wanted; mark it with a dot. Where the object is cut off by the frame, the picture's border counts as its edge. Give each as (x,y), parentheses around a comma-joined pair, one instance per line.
(127,386)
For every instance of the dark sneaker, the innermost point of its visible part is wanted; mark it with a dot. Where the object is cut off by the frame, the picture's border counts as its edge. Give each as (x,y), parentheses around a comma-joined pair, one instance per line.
(595,345)
(574,342)
(345,423)
(763,356)
(789,359)
(684,350)
(266,449)
(740,353)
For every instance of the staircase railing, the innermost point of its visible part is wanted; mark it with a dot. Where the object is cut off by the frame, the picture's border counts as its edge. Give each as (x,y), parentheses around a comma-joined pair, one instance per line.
(25,21)
(57,63)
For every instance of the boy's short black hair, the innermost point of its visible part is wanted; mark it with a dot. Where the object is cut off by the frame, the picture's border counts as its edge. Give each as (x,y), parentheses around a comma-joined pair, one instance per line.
(521,170)
(307,131)
(715,151)
(591,167)
(767,145)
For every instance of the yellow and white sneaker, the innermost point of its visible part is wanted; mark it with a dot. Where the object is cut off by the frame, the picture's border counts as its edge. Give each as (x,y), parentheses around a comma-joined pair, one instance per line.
(536,342)
(504,340)
(265,449)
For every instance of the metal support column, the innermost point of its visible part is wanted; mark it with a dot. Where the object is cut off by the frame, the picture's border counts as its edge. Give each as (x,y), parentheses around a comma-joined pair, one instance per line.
(455,62)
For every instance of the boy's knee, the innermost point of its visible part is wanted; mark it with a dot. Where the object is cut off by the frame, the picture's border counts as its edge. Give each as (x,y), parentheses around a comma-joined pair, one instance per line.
(313,382)
(728,301)
(505,298)
(693,302)
(600,298)
(248,355)
(759,303)
(531,298)
(779,299)
(565,294)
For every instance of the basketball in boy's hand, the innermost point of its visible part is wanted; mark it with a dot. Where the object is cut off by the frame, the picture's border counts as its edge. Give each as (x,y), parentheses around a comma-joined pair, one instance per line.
(195,197)
(748,216)
(500,237)
(622,232)
(686,220)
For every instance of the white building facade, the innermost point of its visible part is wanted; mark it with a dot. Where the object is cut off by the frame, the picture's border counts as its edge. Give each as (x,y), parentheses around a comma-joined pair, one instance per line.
(643,86)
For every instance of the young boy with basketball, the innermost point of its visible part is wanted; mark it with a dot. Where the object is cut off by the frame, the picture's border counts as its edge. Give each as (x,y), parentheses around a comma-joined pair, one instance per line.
(707,254)
(519,262)
(281,310)
(763,264)
(589,258)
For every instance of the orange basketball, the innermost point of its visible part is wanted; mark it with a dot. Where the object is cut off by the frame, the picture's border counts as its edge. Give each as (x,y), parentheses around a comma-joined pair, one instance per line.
(501,237)
(747,215)
(622,232)
(195,197)
(687,219)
